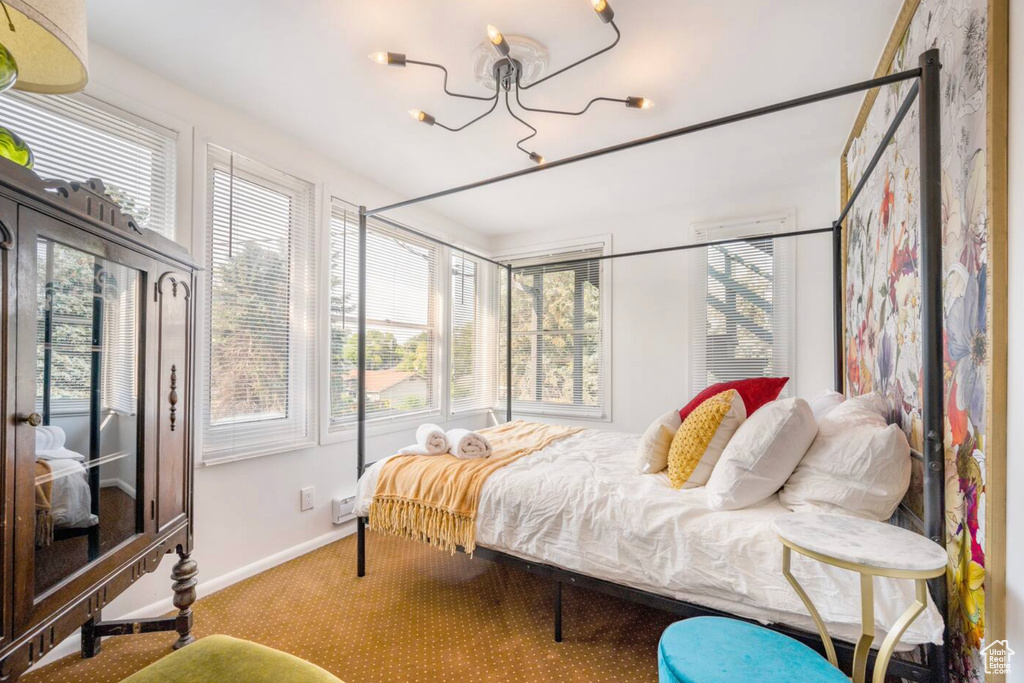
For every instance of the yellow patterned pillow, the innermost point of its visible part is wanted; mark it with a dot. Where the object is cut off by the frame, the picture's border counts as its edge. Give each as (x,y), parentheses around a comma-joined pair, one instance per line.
(702,437)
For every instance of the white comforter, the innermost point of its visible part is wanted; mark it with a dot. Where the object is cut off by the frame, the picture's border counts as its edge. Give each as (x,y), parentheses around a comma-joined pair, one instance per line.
(579,504)
(71,500)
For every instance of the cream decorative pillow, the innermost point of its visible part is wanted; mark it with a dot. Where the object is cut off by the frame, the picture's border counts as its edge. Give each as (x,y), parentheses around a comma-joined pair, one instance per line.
(763,453)
(857,464)
(652,452)
(824,403)
(702,437)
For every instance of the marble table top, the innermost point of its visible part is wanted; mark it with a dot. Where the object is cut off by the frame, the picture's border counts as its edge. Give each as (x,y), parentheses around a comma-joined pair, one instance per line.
(861,541)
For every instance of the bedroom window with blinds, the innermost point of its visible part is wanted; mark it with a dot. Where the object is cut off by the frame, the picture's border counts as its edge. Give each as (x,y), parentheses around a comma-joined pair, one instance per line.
(471,385)
(77,138)
(260,279)
(743,323)
(401,321)
(558,351)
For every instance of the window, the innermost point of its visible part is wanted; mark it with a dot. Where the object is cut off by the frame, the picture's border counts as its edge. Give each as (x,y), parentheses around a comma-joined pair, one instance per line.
(401,320)
(745,326)
(79,138)
(69,304)
(558,349)
(472,315)
(260,275)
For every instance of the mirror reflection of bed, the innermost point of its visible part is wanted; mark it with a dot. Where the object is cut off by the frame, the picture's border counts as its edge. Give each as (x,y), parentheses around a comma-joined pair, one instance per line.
(87,440)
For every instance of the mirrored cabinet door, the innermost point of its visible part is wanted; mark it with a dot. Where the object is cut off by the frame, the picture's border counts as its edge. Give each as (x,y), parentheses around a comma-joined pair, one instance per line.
(88,466)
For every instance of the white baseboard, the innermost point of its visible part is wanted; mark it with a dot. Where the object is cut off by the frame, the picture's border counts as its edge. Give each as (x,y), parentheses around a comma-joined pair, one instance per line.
(72,643)
(119,483)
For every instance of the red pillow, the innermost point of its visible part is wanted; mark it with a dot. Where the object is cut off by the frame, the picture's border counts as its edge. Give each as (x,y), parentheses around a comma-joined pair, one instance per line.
(755,392)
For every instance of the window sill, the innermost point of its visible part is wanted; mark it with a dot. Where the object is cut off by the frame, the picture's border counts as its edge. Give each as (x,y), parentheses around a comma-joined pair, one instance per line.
(272,450)
(563,414)
(380,426)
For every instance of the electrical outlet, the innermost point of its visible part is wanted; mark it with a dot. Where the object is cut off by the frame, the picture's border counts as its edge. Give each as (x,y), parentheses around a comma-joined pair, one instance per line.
(306,498)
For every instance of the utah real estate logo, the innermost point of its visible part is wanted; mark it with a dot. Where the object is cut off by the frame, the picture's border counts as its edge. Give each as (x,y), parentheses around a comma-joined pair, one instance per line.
(997,657)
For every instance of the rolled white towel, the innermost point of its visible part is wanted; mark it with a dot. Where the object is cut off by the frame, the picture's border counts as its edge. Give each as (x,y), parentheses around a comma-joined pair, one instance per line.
(467,445)
(49,439)
(430,440)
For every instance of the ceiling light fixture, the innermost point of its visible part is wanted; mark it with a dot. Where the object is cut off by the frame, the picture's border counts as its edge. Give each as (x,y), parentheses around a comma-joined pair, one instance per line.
(507,75)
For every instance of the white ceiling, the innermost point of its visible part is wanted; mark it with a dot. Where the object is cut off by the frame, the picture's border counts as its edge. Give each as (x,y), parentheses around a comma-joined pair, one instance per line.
(303,67)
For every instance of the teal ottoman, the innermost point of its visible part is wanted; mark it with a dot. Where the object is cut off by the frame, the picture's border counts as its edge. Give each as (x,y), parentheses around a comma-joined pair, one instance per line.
(719,650)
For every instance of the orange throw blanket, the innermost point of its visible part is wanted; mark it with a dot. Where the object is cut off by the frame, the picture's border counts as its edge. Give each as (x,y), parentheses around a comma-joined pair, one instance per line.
(433,498)
(44,498)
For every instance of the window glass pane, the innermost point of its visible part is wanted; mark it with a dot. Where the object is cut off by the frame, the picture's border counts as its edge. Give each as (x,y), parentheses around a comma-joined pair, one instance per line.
(472,334)
(260,265)
(557,363)
(745,328)
(402,297)
(74,139)
(250,283)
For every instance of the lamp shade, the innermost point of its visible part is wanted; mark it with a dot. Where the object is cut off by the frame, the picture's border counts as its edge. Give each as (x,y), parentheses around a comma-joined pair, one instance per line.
(48,43)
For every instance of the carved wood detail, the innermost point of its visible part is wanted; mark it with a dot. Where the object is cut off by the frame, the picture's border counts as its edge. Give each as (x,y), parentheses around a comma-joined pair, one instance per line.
(173,397)
(184,576)
(92,199)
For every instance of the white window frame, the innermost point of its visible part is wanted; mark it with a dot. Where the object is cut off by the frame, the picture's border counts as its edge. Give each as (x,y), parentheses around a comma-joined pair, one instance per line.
(386,424)
(179,133)
(784,288)
(486,297)
(566,249)
(309,393)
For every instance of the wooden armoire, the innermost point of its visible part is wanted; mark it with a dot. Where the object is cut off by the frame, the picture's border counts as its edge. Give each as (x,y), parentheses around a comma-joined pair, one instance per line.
(97,357)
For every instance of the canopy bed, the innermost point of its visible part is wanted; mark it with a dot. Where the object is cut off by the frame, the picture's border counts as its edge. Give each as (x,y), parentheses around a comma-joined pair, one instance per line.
(633,566)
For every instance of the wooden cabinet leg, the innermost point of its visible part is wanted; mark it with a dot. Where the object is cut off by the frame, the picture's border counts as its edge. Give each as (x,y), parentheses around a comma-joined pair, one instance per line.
(184,575)
(91,641)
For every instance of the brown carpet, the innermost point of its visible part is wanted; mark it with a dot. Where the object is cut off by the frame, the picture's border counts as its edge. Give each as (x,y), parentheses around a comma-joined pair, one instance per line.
(419,615)
(63,557)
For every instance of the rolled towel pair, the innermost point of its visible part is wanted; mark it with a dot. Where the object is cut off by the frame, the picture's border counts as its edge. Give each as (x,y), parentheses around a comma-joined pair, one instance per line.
(462,443)
(430,440)
(466,445)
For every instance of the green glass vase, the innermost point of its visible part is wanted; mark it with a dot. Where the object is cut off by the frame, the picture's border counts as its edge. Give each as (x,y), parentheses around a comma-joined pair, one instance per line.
(11,145)
(14,148)
(8,69)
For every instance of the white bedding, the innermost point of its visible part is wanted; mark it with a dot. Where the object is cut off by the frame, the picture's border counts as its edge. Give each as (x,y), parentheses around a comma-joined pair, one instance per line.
(71,500)
(579,504)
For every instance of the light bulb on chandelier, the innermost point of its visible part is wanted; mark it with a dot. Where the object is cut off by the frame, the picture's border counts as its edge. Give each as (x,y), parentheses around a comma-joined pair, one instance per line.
(506,75)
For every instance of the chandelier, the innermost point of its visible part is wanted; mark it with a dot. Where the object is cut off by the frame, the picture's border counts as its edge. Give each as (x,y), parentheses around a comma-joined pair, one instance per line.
(507,72)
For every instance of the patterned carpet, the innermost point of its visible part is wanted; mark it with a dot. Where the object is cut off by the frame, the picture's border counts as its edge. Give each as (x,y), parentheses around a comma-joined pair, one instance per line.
(420,615)
(62,558)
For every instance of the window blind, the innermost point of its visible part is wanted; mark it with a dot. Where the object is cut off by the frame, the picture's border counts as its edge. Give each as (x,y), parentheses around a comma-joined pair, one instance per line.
(77,139)
(471,335)
(119,391)
(744,327)
(558,363)
(68,294)
(260,311)
(401,320)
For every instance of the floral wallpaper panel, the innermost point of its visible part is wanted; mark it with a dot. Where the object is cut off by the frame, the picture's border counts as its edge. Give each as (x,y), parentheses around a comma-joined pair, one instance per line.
(883,289)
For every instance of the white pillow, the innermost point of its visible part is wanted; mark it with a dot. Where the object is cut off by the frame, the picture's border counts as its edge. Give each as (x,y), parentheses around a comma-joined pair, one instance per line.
(864,409)
(652,451)
(857,464)
(762,454)
(824,403)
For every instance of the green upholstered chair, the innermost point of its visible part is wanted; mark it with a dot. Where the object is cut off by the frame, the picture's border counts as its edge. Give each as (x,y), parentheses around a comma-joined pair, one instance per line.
(222,659)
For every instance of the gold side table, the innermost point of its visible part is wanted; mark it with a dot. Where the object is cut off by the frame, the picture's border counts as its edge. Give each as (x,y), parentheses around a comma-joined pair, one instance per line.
(871,549)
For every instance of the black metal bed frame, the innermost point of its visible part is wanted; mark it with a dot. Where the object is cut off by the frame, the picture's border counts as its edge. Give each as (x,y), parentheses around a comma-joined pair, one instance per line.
(925,90)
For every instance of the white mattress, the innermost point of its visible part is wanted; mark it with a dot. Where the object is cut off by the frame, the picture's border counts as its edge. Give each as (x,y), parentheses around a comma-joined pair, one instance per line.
(580,504)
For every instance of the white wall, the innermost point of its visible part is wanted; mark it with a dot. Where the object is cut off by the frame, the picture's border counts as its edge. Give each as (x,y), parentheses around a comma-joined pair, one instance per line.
(247,511)
(650,294)
(1015,369)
